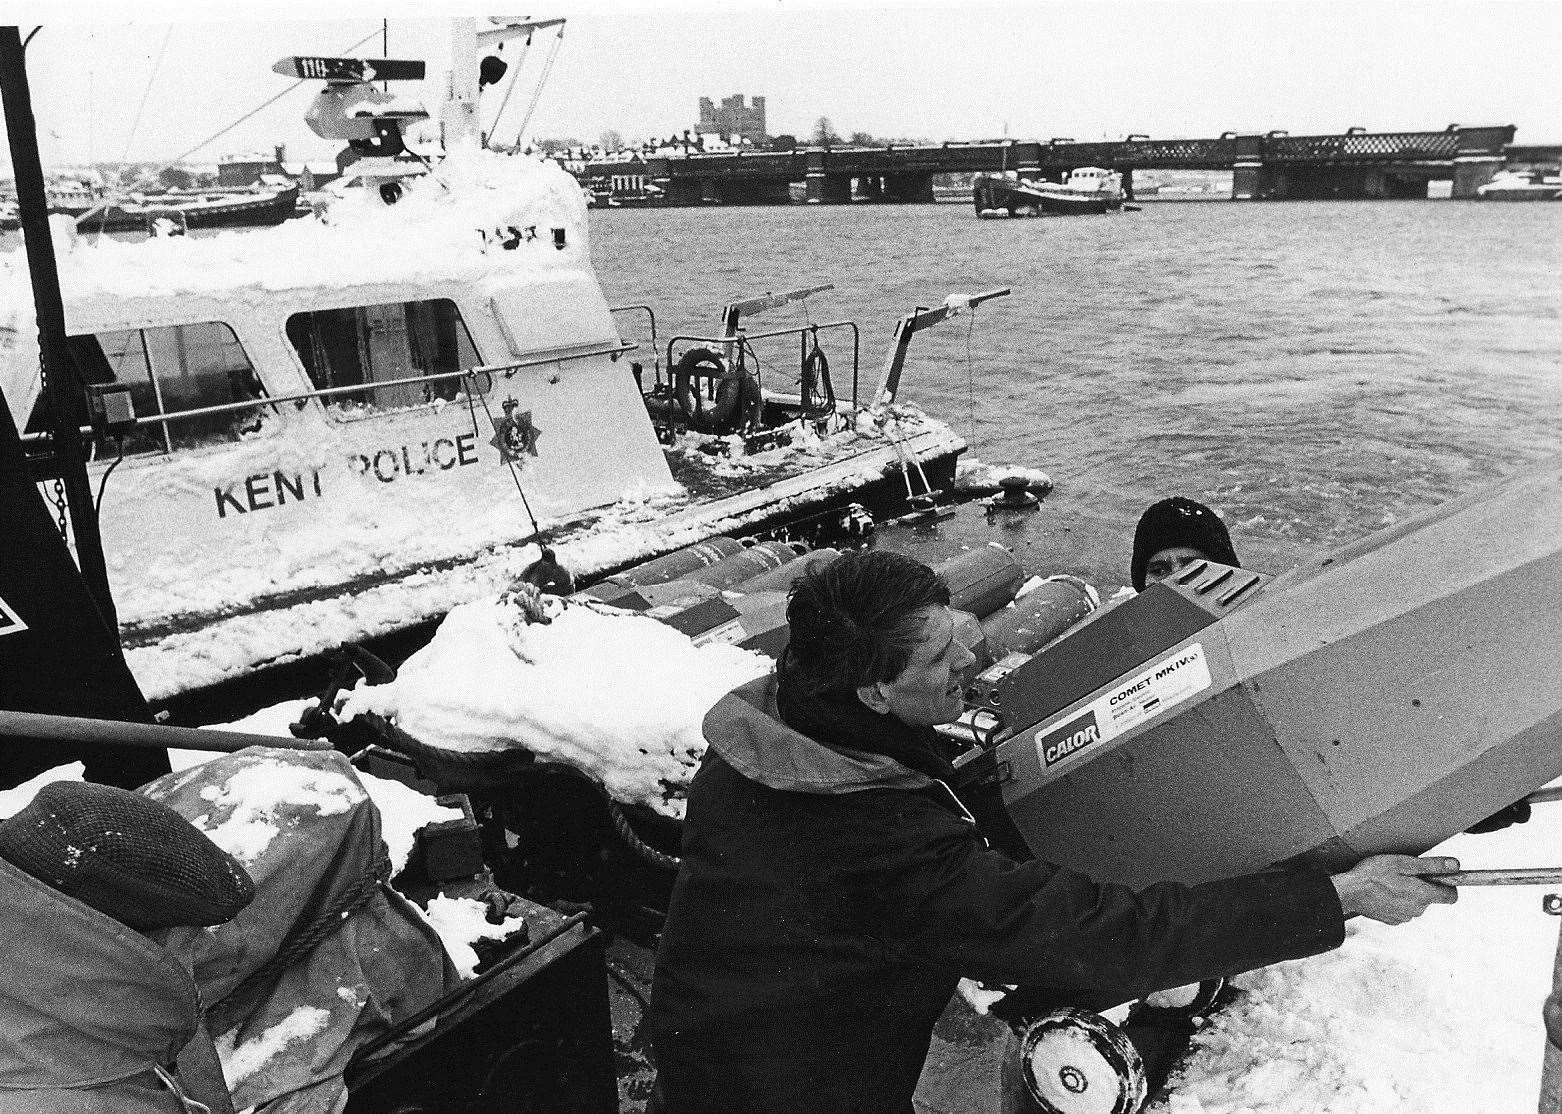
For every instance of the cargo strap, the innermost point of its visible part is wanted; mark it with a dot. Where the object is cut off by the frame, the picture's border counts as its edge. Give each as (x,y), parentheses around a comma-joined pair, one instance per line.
(312,934)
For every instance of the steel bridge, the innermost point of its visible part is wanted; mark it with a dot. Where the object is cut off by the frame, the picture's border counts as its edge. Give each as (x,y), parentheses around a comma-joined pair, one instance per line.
(1274,165)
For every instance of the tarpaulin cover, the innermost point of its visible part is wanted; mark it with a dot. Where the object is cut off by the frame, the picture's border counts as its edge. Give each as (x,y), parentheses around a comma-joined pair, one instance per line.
(308,834)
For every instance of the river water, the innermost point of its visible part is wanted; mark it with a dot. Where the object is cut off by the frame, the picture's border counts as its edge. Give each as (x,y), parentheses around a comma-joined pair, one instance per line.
(1312,370)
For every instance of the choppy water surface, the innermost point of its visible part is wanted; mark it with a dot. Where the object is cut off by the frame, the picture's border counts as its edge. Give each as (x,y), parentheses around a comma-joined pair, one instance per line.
(1314,371)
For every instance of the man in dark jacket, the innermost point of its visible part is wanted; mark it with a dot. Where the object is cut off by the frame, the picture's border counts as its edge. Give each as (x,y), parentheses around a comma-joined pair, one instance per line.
(834,889)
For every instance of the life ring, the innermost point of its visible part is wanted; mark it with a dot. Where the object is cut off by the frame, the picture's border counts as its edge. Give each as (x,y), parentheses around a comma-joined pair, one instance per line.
(739,401)
(696,361)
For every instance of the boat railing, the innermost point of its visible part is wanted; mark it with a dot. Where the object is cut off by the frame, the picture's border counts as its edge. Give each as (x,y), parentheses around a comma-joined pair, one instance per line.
(651,314)
(743,341)
(484,371)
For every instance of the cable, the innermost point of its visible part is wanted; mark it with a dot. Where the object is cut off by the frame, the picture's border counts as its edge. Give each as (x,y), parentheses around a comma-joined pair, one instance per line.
(542,80)
(135,125)
(514,475)
(119,444)
(515,79)
(260,108)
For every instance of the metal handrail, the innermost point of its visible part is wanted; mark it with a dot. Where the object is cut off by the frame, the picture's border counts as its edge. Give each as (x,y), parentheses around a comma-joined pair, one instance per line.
(331,392)
(743,338)
(651,313)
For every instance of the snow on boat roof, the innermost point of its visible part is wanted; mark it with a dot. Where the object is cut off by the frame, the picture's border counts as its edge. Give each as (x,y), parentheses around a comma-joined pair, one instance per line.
(449,227)
(434,233)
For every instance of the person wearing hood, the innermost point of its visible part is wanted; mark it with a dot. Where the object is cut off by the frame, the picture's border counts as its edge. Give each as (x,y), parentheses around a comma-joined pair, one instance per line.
(1174,533)
(833,888)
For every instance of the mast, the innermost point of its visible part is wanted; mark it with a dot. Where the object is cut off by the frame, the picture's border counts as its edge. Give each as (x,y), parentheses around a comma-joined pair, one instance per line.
(459,115)
(67,399)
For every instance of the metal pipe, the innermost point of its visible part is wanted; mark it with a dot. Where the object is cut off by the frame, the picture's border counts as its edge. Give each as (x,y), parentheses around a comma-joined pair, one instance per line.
(74,729)
(1542,796)
(1520,876)
(330,392)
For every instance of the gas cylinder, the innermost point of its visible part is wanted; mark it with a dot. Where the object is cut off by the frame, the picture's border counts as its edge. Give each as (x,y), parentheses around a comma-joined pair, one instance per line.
(1038,617)
(746,563)
(781,579)
(981,580)
(680,562)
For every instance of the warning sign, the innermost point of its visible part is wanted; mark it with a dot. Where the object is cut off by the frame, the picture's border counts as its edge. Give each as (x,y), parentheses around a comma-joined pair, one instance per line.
(10,621)
(1138,699)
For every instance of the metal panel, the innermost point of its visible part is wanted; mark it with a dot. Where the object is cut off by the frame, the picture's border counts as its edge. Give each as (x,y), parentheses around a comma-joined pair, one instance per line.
(1380,699)
(1199,794)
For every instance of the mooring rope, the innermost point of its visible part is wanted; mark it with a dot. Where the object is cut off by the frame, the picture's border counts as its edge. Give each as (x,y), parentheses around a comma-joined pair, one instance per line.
(509,462)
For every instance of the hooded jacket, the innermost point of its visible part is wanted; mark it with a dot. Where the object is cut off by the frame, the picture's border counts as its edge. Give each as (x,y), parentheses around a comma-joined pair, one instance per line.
(89,1010)
(830,898)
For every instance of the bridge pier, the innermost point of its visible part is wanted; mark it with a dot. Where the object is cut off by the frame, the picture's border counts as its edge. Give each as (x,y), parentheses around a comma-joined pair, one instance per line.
(1127,176)
(1471,172)
(710,194)
(821,187)
(1251,181)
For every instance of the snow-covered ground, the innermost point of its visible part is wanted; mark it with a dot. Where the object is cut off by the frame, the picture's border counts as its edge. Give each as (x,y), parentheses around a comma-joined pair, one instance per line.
(1440,1016)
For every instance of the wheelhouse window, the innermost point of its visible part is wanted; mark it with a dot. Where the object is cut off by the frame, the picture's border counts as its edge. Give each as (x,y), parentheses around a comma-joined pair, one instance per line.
(413,348)
(170,369)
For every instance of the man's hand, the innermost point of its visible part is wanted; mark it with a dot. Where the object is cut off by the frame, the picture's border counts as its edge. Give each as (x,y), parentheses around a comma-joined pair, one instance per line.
(1389,888)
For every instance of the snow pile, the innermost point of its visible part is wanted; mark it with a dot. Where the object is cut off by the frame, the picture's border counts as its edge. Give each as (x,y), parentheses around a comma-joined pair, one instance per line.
(250,809)
(977,475)
(1442,1014)
(618,695)
(403,810)
(461,922)
(239,1062)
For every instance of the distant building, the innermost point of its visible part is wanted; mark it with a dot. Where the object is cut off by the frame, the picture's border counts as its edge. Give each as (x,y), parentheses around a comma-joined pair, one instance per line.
(734,117)
(245,170)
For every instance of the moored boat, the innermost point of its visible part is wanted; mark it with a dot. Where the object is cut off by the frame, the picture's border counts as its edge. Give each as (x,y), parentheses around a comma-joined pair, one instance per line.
(260,205)
(1086,190)
(1523,185)
(345,425)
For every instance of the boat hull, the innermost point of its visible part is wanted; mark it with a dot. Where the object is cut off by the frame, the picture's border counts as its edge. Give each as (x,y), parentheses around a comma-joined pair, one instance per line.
(245,210)
(310,624)
(996,195)
(1522,193)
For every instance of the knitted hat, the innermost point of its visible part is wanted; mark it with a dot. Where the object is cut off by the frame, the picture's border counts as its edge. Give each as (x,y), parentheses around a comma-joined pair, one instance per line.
(1179,521)
(126,855)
